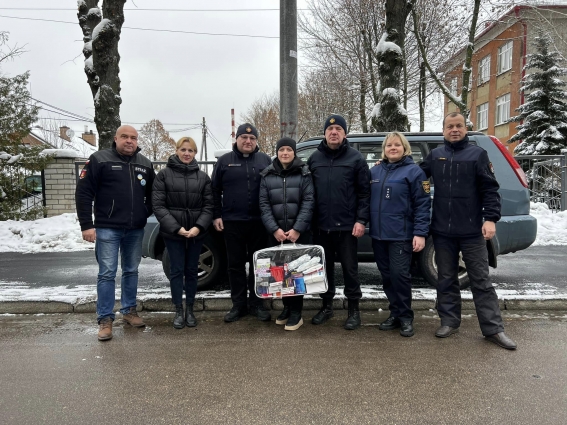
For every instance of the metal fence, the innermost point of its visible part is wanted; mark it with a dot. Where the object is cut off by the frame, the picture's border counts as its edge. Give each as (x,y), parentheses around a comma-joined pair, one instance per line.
(28,186)
(547,179)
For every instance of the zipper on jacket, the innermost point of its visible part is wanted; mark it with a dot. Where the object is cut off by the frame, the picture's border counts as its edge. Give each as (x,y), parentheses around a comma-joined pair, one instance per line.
(285,205)
(248,181)
(450,188)
(132,195)
(111,209)
(380,203)
(329,185)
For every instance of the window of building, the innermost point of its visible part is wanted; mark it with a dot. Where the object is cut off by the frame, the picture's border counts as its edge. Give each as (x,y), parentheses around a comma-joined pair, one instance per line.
(505,57)
(503,109)
(453,86)
(482,116)
(484,70)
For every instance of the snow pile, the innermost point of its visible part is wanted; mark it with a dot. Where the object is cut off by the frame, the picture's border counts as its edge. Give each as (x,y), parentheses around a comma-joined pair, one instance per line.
(56,234)
(551,226)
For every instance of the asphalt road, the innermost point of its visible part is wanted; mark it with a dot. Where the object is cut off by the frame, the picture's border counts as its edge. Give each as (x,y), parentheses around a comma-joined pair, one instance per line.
(524,269)
(54,371)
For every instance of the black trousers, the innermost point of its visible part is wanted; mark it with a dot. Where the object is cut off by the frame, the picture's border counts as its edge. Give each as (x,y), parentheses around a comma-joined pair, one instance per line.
(393,259)
(242,239)
(346,246)
(294,303)
(475,256)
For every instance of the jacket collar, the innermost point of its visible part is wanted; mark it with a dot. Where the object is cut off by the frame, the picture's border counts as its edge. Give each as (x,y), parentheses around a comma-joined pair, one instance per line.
(407,160)
(240,154)
(125,157)
(296,166)
(176,164)
(333,153)
(457,146)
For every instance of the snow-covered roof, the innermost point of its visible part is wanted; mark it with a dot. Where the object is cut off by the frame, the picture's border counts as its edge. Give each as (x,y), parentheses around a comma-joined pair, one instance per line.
(75,143)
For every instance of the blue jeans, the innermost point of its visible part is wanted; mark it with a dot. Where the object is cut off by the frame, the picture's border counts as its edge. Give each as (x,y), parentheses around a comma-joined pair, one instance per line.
(108,243)
(184,260)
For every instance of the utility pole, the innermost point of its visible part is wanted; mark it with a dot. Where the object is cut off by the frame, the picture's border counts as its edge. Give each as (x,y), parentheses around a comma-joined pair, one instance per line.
(204,146)
(288,68)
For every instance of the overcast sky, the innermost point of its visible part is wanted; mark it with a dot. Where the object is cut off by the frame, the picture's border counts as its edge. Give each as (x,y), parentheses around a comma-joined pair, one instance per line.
(178,78)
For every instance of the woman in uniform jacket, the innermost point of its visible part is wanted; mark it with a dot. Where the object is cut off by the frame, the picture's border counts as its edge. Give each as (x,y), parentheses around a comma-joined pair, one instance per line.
(286,203)
(399,223)
(183,204)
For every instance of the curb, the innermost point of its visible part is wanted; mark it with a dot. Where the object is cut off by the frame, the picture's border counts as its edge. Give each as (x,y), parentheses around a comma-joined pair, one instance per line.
(224,304)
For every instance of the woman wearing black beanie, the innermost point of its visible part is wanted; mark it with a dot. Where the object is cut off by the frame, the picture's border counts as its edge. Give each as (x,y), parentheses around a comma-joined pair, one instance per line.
(286,202)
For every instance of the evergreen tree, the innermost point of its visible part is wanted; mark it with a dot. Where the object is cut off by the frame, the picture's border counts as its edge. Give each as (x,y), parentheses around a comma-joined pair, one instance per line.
(543,130)
(17,114)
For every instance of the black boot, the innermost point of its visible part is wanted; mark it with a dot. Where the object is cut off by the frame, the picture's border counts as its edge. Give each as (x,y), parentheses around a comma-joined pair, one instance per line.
(284,315)
(324,314)
(190,320)
(353,319)
(178,322)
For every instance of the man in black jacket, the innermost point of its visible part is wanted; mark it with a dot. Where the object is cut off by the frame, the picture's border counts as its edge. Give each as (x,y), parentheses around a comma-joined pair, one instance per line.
(342,196)
(119,181)
(466,207)
(236,192)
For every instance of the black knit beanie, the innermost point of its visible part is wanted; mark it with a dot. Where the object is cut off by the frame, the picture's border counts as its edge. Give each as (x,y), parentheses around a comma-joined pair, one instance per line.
(286,141)
(246,128)
(335,119)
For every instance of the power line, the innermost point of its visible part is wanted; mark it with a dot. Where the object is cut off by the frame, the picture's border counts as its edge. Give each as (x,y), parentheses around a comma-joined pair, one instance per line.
(148,10)
(147,29)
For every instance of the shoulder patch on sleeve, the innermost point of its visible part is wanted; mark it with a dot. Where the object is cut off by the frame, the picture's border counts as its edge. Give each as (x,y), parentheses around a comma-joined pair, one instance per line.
(426,186)
(491,167)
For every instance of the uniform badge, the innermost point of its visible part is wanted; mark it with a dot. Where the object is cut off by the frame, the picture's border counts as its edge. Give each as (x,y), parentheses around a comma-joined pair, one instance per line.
(426,186)
(140,177)
(248,130)
(143,182)
(83,173)
(491,167)
(332,120)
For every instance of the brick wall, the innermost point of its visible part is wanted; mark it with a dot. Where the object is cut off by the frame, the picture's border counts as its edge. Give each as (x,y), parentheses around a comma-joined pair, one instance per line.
(60,183)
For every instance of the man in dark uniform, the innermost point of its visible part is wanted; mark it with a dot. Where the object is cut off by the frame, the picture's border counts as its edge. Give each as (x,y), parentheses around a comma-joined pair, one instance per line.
(119,180)
(466,207)
(236,192)
(342,197)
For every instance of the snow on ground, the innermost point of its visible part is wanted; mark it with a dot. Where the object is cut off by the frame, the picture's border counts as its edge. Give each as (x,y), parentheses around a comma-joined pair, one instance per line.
(551,226)
(62,233)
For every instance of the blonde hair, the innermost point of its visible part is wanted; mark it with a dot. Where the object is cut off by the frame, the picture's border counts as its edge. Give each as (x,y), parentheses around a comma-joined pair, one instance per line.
(405,143)
(189,140)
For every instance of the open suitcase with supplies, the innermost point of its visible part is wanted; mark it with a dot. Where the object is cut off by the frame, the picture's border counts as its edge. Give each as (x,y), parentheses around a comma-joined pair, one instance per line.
(289,270)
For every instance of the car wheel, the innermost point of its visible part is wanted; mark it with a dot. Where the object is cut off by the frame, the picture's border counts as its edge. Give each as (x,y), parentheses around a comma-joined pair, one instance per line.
(428,266)
(210,264)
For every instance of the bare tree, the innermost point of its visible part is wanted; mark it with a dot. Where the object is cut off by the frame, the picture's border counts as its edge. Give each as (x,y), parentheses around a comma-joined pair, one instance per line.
(101,36)
(155,141)
(388,113)
(264,114)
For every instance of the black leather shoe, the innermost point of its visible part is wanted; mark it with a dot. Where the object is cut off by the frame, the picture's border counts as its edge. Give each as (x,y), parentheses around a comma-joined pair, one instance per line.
(190,320)
(406,328)
(323,315)
(353,320)
(389,324)
(445,331)
(502,340)
(178,321)
(284,315)
(235,314)
(260,312)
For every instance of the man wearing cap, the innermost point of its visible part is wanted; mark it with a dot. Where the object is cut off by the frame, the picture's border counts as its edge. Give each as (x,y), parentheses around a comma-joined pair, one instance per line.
(342,196)
(119,180)
(236,192)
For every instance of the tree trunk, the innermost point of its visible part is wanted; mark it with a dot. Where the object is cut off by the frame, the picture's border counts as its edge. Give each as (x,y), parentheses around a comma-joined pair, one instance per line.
(101,62)
(389,115)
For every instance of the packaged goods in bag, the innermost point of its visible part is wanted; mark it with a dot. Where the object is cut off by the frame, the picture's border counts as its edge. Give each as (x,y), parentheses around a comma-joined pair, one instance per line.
(290,270)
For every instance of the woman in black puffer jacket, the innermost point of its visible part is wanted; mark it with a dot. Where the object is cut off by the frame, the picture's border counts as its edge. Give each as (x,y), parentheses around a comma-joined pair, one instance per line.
(183,204)
(286,203)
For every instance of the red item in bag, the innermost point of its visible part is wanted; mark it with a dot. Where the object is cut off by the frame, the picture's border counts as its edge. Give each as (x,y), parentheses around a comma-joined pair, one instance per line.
(277,273)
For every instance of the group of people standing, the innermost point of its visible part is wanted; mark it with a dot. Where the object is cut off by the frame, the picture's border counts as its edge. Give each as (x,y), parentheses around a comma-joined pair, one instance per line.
(258,202)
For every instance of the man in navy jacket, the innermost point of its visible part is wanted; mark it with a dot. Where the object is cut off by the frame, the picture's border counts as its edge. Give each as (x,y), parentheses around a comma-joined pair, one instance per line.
(236,193)
(466,207)
(342,198)
(119,180)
